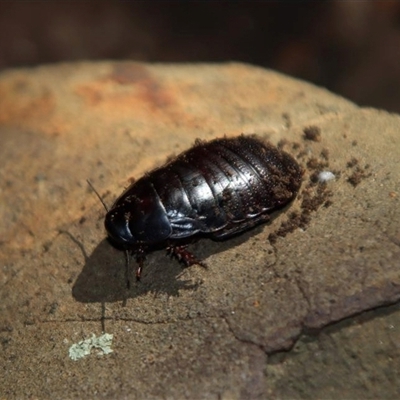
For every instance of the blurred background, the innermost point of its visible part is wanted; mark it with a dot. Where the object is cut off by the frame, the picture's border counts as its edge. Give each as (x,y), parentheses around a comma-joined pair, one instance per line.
(350,47)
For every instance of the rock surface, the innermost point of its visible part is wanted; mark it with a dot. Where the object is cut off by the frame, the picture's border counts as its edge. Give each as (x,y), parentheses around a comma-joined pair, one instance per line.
(191,333)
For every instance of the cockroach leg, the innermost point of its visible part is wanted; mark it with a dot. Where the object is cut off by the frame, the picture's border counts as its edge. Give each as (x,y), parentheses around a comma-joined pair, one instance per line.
(185,256)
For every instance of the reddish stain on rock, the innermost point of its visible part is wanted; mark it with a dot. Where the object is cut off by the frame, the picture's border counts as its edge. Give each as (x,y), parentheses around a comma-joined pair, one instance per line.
(137,89)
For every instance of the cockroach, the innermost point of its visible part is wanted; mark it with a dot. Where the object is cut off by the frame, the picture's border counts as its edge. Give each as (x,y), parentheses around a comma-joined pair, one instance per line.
(216,189)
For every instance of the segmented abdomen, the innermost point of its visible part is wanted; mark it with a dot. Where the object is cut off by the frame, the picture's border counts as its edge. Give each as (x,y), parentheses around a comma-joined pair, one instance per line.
(228,182)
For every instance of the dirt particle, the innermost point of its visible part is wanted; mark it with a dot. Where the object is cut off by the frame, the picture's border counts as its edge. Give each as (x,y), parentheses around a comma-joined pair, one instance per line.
(312,200)
(316,164)
(312,133)
(358,173)
(325,154)
(352,163)
(295,146)
(357,176)
(282,143)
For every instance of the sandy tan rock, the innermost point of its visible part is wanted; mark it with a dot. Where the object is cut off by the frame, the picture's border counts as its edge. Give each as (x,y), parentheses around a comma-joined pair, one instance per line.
(195,333)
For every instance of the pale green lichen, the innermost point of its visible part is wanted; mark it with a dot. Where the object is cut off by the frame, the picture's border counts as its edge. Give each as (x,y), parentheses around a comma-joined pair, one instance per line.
(84,347)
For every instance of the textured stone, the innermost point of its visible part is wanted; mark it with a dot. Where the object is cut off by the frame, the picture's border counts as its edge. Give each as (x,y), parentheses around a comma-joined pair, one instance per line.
(194,333)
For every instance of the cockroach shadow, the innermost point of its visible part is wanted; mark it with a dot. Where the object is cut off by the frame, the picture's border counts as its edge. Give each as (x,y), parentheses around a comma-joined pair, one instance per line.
(104,275)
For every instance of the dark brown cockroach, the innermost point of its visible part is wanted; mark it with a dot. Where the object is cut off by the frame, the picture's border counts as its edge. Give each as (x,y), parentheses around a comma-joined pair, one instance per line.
(216,189)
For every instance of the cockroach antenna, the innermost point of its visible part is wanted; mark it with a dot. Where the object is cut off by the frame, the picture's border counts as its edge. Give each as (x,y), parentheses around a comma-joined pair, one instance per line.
(97,194)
